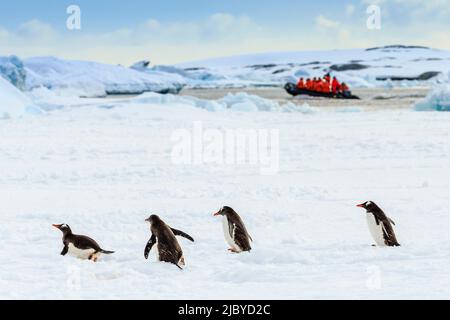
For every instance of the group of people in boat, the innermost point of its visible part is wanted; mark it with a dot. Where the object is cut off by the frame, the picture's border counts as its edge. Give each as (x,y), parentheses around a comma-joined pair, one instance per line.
(326,85)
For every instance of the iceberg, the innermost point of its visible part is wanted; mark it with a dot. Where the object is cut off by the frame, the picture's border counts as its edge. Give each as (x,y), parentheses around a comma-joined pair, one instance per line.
(92,79)
(437,100)
(13,103)
(12,69)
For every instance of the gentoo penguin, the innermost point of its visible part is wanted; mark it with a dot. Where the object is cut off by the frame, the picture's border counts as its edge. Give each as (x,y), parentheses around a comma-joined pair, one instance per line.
(235,232)
(169,250)
(380,225)
(80,247)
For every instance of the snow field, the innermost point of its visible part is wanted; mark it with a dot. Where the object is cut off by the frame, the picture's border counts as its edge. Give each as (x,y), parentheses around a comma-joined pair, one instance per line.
(104,170)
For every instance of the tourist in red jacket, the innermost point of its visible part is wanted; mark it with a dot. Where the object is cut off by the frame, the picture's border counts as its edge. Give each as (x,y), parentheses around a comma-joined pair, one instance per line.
(335,86)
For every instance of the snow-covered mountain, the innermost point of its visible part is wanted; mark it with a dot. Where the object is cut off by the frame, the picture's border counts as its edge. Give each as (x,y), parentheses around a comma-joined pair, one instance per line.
(384,66)
(402,65)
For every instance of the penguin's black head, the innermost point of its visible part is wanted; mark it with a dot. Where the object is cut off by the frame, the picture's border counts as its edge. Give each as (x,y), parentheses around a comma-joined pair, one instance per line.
(224,211)
(153,219)
(63,227)
(370,206)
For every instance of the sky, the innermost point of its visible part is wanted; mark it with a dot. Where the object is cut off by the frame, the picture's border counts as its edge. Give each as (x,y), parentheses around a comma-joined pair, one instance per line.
(174,31)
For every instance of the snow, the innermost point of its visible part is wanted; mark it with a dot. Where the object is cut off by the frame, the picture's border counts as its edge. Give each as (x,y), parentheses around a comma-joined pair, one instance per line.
(14,103)
(92,79)
(437,100)
(104,167)
(276,68)
(240,102)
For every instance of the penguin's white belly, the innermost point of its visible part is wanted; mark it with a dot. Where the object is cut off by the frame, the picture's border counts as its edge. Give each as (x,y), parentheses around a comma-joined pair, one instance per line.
(79,253)
(228,237)
(376,230)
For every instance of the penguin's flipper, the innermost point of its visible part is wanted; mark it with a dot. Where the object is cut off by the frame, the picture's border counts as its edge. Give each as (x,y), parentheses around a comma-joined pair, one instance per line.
(392,221)
(179,267)
(149,246)
(182,234)
(389,236)
(65,250)
(242,239)
(107,252)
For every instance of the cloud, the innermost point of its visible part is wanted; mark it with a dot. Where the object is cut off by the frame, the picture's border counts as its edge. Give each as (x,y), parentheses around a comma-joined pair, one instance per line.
(4,35)
(323,22)
(350,10)
(223,34)
(35,30)
(165,42)
(415,7)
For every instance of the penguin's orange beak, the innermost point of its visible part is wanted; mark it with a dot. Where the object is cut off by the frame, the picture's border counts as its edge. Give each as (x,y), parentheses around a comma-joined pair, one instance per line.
(361,205)
(216,214)
(57,226)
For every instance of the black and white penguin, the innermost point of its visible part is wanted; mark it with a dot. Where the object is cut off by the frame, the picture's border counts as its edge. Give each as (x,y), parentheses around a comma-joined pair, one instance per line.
(169,250)
(380,226)
(236,233)
(80,247)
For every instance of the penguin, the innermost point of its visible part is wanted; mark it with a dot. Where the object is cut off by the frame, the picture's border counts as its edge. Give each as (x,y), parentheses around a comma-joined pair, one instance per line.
(380,225)
(80,247)
(169,250)
(236,233)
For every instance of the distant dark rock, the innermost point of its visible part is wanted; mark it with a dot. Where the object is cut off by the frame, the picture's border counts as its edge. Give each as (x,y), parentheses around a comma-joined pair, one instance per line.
(314,63)
(262,66)
(141,65)
(194,69)
(348,67)
(280,71)
(428,59)
(397,47)
(423,77)
(428,75)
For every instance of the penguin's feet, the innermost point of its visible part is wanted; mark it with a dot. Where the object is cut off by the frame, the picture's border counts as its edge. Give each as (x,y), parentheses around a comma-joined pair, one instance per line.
(233,250)
(93,257)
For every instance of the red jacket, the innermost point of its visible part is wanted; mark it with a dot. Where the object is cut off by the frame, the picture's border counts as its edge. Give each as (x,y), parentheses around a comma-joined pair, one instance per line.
(335,86)
(345,88)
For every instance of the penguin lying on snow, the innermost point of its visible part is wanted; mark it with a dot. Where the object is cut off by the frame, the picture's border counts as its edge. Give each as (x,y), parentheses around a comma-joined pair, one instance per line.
(80,247)
(169,250)
(380,225)
(235,232)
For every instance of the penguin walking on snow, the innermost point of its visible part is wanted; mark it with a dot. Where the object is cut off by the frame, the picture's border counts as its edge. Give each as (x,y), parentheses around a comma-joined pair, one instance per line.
(380,225)
(169,250)
(236,233)
(80,247)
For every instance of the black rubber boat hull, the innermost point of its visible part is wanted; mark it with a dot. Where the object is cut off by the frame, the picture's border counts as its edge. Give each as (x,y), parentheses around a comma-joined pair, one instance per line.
(294,91)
